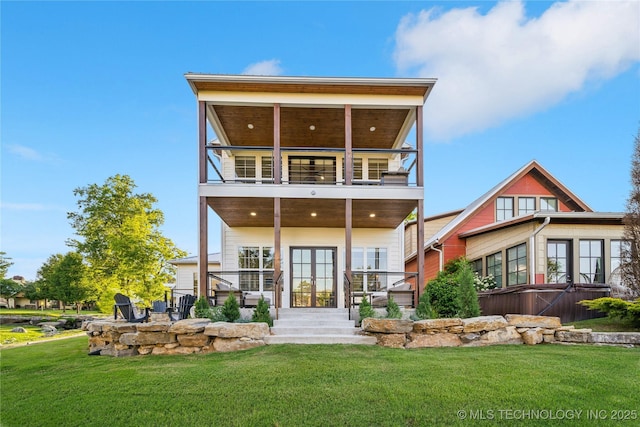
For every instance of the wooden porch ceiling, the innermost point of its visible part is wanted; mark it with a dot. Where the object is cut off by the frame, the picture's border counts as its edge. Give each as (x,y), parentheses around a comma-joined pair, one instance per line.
(238,212)
(253,126)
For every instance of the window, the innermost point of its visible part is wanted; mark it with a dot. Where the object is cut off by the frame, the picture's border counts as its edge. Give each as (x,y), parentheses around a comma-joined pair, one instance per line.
(517,265)
(591,261)
(376,167)
(249,258)
(357,168)
(526,205)
(549,204)
(267,168)
(372,270)
(476,266)
(312,170)
(558,260)
(494,267)
(267,268)
(195,283)
(245,167)
(504,208)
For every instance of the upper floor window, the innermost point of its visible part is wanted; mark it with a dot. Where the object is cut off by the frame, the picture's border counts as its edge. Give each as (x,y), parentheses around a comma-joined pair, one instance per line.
(517,265)
(312,170)
(476,266)
(548,204)
(591,261)
(494,267)
(267,168)
(245,167)
(504,208)
(526,205)
(357,168)
(376,167)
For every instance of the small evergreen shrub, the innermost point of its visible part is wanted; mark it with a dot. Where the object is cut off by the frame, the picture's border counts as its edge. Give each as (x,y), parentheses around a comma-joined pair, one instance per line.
(231,308)
(616,308)
(424,309)
(467,295)
(393,311)
(201,308)
(261,312)
(365,310)
(443,296)
(216,315)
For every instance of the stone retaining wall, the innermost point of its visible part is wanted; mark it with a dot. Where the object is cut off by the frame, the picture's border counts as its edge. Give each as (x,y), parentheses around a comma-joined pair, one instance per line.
(487,330)
(118,338)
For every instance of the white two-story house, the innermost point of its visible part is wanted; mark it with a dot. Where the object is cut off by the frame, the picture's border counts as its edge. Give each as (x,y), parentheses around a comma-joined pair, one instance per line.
(312,179)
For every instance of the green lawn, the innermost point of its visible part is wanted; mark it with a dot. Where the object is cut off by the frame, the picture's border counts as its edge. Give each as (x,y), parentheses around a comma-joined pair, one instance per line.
(58,384)
(606,324)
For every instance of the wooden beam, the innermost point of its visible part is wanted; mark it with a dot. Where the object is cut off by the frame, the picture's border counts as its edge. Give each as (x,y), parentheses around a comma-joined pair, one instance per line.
(277,157)
(419,146)
(420,245)
(202,142)
(276,253)
(203,247)
(348,146)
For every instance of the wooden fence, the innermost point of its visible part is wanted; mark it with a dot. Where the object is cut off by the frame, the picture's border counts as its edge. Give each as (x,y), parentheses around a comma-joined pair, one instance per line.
(559,300)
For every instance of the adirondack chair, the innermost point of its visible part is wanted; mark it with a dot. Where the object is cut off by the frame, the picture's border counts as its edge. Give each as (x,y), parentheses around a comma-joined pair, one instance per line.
(159,306)
(184,307)
(128,310)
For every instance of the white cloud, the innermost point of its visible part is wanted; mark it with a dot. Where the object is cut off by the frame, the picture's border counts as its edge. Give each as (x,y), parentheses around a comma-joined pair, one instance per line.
(29,153)
(264,68)
(494,67)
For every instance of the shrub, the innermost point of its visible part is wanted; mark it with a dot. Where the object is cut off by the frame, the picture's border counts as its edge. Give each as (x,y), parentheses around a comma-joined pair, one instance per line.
(201,308)
(443,296)
(216,315)
(484,283)
(424,309)
(261,312)
(365,310)
(231,308)
(393,311)
(616,308)
(467,295)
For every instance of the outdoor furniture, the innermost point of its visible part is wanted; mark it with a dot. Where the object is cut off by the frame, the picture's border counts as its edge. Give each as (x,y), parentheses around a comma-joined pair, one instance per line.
(128,310)
(251,300)
(184,308)
(402,295)
(223,291)
(159,306)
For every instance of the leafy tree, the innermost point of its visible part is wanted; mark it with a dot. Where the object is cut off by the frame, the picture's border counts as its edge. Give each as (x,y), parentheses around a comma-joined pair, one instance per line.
(9,288)
(467,295)
(119,237)
(5,263)
(231,308)
(631,265)
(261,312)
(64,279)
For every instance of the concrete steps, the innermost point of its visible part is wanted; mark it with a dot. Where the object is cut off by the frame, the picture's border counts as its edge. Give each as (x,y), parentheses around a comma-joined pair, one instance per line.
(316,326)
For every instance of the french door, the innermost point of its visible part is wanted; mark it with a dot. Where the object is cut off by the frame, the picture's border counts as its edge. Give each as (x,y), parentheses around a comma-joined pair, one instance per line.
(313,277)
(559,261)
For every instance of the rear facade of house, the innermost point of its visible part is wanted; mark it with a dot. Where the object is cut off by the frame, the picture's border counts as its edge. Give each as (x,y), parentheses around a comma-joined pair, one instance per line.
(312,179)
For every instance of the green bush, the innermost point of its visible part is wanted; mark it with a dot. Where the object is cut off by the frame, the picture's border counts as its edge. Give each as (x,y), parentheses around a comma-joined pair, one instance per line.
(201,308)
(216,315)
(443,296)
(467,295)
(393,311)
(424,309)
(616,308)
(365,310)
(261,312)
(231,308)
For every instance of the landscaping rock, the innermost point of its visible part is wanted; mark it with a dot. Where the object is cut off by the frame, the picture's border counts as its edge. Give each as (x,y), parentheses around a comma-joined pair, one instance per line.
(189,326)
(507,335)
(154,327)
(235,344)
(391,340)
(49,330)
(574,335)
(146,338)
(435,325)
(467,338)
(387,326)
(618,338)
(19,329)
(256,330)
(197,340)
(433,340)
(484,323)
(532,336)
(530,321)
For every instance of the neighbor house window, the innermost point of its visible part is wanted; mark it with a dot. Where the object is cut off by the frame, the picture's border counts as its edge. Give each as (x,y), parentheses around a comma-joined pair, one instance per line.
(376,167)
(494,267)
(549,204)
(591,261)
(476,266)
(267,168)
(620,252)
(526,205)
(517,265)
(504,208)
(245,167)
(558,261)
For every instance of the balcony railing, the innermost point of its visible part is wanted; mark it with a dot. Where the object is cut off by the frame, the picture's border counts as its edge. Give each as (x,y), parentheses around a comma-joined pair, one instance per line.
(246,285)
(324,166)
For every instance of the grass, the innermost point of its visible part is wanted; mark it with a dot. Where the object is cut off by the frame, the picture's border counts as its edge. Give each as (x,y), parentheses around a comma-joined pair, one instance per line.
(606,324)
(33,334)
(48,312)
(57,384)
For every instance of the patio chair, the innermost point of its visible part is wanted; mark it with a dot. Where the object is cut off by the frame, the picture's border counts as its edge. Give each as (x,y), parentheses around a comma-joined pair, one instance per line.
(184,308)
(159,306)
(128,310)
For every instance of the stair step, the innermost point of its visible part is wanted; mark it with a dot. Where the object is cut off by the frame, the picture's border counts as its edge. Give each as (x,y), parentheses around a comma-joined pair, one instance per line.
(320,339)
(342,323)
(301,330)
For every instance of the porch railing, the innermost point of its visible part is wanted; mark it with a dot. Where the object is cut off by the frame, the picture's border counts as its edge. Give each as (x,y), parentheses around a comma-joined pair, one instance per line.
(378,286)
(246,285)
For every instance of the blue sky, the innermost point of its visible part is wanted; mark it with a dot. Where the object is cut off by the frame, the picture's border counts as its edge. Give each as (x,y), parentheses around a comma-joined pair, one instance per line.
(94,89)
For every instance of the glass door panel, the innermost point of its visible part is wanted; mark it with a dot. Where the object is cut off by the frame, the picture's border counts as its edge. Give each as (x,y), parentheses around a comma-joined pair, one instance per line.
(559,261)
(313,279)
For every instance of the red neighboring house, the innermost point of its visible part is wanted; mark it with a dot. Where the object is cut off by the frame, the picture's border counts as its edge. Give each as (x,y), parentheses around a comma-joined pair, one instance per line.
(528,229)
